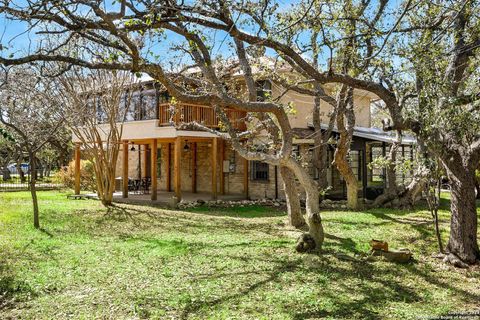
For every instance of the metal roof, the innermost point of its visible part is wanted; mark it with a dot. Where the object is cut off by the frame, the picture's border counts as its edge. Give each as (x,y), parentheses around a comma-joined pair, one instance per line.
(374,134)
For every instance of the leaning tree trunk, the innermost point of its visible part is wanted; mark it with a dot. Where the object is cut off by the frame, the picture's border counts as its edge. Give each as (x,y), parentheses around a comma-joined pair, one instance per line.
(295,217)
(462,243)
(312,214)
(408,197)
(313,239)
(345,111)
(350,180)
(33,189)
(391,191)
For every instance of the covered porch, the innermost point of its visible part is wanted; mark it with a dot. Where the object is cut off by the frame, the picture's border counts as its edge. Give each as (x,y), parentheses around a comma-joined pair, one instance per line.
(188,165)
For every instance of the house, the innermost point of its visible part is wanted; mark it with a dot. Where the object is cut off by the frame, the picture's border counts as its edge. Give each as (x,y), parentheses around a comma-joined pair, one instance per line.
(200,163)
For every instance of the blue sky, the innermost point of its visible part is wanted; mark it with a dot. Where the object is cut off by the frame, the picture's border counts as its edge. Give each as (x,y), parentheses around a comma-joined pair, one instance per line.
(19,42)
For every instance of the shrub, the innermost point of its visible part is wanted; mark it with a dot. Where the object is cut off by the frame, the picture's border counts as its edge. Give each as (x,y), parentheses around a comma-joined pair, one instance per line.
(66,175)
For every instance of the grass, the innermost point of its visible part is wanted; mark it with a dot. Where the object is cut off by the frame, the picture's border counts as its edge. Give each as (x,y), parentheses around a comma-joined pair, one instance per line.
(145,262)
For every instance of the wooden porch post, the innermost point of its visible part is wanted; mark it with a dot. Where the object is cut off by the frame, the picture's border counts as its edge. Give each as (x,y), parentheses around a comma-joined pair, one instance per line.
(222,174)
(77,168)
(364,171)
(194,167)
(167,168)
(153,168)
(125,170)
(214,167)
(177,154)
(245,177)
(145,161)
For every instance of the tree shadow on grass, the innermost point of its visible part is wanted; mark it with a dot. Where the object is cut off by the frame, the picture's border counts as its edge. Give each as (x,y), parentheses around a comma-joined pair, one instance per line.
(45,231)
(251,211)
(145,219)
(12,290)
(368,286)
(373,295)
(345,243)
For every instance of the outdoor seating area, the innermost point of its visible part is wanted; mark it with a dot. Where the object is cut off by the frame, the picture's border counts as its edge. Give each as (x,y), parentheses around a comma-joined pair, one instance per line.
(139,186)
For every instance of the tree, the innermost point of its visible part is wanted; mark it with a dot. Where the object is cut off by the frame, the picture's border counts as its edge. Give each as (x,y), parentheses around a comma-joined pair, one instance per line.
(433,191)
(99,100)
(7,151)
(31,116)
(447,117)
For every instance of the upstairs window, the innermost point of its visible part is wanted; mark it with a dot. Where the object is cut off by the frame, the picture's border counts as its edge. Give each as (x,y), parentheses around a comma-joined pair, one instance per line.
(259,171)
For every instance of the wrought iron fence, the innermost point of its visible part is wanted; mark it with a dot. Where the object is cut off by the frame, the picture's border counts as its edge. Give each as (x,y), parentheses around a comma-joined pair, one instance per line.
(15,183)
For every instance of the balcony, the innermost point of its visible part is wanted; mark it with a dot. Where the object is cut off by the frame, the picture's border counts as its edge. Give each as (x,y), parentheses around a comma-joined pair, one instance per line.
(206,115)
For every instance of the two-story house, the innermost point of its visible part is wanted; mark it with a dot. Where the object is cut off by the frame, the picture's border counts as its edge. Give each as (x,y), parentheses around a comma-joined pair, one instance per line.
(196,164)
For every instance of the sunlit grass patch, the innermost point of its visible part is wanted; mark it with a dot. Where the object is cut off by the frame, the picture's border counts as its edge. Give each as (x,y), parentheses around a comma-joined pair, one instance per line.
(143,262)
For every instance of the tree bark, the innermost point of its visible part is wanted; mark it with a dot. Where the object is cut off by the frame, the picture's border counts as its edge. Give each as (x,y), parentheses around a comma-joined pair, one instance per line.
(313,218)
(345,110)
(463,224)
(21,174)
(295,216)
(6,174)
(313,240)
(33,189)
(320,143)
(350,180)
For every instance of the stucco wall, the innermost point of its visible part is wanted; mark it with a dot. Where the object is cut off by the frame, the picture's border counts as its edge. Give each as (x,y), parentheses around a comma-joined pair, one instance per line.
(303,106)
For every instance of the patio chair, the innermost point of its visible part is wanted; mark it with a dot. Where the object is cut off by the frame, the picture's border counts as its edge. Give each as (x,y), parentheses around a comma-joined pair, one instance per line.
(146,182)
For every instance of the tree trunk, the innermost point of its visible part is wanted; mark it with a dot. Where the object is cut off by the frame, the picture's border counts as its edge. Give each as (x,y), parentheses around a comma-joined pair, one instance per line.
(6,174)
(462,243)
(33,190)
(313,240)
(41,170)
(314,221)
(295,217)
(438,198)
(320,149)
(410,195)
(345,111)
(20,172)
(350,180)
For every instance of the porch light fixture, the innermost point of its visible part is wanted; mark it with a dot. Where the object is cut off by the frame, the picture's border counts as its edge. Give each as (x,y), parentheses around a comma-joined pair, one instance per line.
(132,148)
(186,147)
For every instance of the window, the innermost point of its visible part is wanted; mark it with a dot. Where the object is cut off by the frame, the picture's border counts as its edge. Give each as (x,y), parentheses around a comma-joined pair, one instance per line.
(259,171)
(149,104)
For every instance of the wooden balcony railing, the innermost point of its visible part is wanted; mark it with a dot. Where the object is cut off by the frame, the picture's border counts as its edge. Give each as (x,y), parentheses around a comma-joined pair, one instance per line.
(206,115)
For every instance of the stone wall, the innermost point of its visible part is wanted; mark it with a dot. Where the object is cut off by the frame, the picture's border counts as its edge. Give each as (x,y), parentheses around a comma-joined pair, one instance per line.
(233,177)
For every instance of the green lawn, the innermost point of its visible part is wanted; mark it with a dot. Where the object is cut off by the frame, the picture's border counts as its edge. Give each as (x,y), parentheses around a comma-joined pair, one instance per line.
(144,262)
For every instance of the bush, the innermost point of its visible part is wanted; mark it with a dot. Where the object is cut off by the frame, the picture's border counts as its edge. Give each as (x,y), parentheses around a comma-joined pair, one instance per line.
(66,175)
